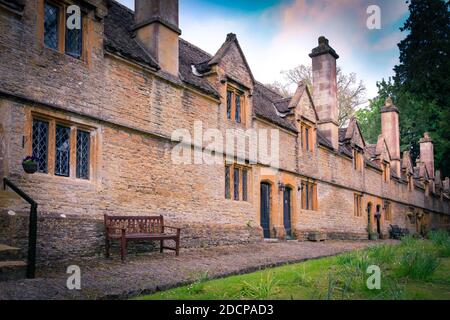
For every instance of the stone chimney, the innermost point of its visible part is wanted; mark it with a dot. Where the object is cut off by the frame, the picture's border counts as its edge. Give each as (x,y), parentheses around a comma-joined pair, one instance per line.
(391,132)
(325,90)
(427,153)
(156,27)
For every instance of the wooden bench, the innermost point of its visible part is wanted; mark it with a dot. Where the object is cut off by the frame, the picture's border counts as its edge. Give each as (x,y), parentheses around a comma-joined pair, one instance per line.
(138,228)
(398,233)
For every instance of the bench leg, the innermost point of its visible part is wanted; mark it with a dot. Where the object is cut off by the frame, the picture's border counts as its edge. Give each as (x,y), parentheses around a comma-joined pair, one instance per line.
(107,247)
(123,248)
(161,247)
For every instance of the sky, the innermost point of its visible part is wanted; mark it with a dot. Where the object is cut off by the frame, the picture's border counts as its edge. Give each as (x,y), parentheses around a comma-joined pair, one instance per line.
(278,35)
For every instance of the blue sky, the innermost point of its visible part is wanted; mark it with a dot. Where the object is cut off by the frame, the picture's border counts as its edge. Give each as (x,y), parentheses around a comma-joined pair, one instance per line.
(279,35)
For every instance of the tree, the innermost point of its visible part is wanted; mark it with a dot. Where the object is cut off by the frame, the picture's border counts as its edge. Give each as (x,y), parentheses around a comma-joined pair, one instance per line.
(421,83)
(351,93)
(423,75)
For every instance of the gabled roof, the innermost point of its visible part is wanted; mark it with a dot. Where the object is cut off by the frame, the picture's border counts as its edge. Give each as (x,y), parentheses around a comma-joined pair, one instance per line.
(294,102)
(264,106)
(406,162)
(371,150)
(119,39)
(322,140)
(352,134)
(206,65)
(382,150)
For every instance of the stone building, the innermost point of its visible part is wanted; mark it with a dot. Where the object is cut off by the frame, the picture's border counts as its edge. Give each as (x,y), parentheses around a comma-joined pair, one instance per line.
(98,106)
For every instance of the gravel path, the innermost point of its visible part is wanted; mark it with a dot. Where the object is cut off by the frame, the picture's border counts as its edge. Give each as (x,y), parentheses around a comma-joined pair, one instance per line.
(111,279)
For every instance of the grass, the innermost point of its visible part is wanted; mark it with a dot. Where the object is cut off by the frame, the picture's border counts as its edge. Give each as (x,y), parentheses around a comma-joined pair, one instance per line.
(415,269)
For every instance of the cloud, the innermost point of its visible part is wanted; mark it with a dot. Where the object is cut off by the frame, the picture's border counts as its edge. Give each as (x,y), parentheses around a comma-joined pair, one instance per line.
(281,35)
(389,42)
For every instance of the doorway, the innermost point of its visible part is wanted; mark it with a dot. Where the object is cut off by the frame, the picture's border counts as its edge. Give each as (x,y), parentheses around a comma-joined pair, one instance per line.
(378,218)
(287,211)
(265,208)
(369,219)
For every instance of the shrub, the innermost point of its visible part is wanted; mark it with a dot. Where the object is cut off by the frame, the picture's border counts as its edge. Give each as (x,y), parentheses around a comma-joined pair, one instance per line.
(409,241)
(418,264)
(357,261)
(263,289)
(383,254)
(302,279)
(439,238)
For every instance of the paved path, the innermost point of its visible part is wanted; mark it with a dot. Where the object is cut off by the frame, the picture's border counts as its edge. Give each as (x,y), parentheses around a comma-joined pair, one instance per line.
(111,279)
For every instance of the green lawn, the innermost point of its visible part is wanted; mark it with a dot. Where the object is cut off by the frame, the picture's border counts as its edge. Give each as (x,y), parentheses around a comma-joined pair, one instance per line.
(415,269)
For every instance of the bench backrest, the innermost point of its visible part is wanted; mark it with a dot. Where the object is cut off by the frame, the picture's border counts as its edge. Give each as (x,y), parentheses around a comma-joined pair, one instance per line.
(135,224)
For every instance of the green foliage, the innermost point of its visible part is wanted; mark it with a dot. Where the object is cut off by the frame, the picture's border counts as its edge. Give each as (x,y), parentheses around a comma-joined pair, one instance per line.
(260,290)
(441,239)
(370,118)
(358,261)
(384,254)
(420,86)
(410,270)
(418,264)
(409,242)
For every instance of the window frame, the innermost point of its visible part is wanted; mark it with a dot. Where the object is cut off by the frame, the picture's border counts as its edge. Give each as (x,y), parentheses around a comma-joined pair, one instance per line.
(307,137)
(358,162)
(357,205)
(230,186)
(54,121)
(61,29)
(309,199)
(68,129)
(232,95)
(387,211)
(37,119)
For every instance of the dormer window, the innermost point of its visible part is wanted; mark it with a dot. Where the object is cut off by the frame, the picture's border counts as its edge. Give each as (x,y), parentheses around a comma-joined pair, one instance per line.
(358,161)
(58,33)
(386,172)
(235,104)
(307,137)
(410,182)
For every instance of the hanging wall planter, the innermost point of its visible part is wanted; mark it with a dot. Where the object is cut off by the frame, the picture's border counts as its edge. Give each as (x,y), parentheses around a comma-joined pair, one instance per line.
(30,165)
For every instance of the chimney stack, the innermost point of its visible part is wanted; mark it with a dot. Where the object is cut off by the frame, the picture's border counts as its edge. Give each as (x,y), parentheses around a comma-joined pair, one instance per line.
(325,90)
(156,26)
(427,153)
(391,133)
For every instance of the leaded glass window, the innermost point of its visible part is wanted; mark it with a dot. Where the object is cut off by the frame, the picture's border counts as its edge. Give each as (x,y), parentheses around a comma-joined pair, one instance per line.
(51,14)
(244,185)
(62,151)
(227,183)
(74,40)
(229,103)
(83,138)
(40,144)
(236,184)
(237,113)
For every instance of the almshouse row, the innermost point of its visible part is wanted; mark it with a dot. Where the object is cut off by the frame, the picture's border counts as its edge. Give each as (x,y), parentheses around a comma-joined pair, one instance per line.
(98,107)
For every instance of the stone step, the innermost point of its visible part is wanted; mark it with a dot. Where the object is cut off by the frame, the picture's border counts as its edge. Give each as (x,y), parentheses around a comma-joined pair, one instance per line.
(12,270)
(8,253)
(9,199)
